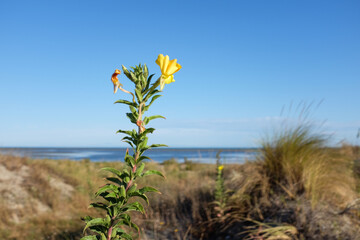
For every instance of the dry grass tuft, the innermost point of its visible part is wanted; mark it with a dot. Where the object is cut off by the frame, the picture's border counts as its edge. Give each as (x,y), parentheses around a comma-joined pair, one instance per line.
(297,161)
(251,188)
(296,182)
(271,231)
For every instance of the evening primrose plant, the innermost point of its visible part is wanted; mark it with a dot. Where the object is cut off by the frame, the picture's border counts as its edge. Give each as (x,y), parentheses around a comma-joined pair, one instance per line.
(120,194)
(220,192)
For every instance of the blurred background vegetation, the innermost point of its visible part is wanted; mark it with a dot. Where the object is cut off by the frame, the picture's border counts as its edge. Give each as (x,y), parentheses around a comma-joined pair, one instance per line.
(298,188)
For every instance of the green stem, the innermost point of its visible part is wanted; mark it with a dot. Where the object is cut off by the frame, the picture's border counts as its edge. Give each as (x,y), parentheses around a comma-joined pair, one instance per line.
(141,128)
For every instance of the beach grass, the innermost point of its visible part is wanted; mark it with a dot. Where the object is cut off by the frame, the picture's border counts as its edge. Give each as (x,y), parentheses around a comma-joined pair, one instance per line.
(297,161)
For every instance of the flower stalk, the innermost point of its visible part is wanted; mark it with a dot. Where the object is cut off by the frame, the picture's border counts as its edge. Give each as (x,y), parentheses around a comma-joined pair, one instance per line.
(122,187)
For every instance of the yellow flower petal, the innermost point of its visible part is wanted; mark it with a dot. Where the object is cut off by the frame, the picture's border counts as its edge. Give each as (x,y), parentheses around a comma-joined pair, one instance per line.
(169,79)
(173,67)
(160,61)
(168,68)
(165,65)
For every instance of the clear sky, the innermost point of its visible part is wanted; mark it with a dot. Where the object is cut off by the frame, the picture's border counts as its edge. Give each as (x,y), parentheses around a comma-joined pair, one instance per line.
(243,61)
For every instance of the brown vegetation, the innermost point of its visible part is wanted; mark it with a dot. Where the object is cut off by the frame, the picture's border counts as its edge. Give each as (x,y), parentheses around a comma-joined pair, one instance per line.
(297,189)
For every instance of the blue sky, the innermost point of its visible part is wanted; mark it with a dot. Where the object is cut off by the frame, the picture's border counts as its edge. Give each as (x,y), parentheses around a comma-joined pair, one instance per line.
(243,61)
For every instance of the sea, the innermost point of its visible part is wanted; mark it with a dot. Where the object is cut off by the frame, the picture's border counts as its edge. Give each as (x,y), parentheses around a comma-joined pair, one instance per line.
(199,155)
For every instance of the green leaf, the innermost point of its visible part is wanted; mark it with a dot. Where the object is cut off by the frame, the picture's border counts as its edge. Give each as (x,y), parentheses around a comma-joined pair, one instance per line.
(120,233)
(123,216)
(107,219)
(152,172)
(148,119)
(150,77)
(130,224)
(87,218)
(126,72)
(95,222)
(134,112)
(131,117)
(146,71)
(131,104)
(106,188)
(122,191)
(143,143)
(140,169)
(158,145)
(110,197)
(142,80)
(138,95)
(143,158)
(131,144)
(99,205)
(130,160)
(154,117)
(113,209)
(147,89)
(112,170)
(140,195)
(151,93)
(151,102)
(125,236)
(133,77)
(148,189)
(132,188)
(148,81)
(129,139)
(143,150)
(130,133)
(135,206)
(115,180)
(99,230)
(125,172)
(148,130)
(136,227)
(127,179)
(89,238)
(126,220)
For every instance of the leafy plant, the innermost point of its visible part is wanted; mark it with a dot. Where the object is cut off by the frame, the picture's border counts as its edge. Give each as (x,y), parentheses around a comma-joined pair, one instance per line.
(220,194)
(118,194)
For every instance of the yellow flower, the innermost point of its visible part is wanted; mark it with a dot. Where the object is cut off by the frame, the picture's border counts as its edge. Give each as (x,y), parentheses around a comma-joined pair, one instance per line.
(168,68)
(221,167)
(115,80)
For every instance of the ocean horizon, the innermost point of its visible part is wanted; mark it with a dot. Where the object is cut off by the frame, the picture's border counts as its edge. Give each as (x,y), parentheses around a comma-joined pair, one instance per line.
(98,154)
